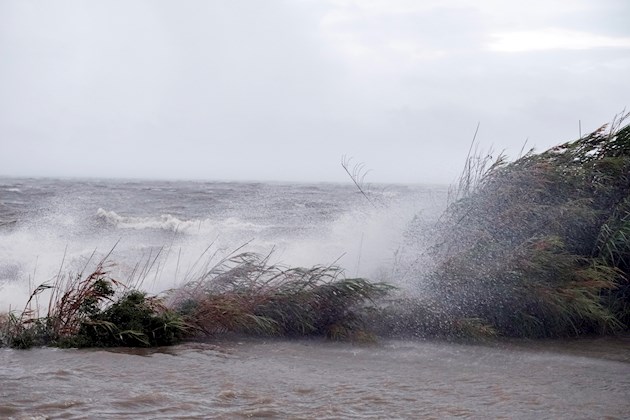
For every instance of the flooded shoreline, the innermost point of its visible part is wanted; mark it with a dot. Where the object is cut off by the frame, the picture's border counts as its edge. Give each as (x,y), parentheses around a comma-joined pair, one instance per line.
(256,378)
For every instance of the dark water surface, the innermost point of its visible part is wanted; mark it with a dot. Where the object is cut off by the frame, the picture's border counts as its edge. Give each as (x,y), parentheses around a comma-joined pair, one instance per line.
(322,380)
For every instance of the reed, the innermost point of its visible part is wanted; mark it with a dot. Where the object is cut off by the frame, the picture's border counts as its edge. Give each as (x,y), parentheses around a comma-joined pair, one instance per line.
(87,310)
(539,246)
(133,320)
(243,293)
(247,294)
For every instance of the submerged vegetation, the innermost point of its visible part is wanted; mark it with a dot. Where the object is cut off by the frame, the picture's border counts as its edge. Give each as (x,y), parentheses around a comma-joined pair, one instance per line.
(537,247)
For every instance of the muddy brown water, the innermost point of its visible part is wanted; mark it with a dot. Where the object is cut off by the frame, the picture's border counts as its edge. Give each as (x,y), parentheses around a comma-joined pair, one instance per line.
(310,379)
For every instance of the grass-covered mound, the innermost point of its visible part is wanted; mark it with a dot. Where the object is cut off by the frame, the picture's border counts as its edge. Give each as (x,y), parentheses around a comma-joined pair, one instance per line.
(242,294)
(540,246)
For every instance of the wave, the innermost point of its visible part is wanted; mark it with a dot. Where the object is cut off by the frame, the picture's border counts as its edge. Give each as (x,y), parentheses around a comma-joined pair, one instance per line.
(171,223)
(163,222)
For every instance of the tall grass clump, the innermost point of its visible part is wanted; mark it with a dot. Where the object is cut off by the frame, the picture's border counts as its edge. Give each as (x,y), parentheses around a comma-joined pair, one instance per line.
(540,246)
(242,294)
(91,310)
(246,294)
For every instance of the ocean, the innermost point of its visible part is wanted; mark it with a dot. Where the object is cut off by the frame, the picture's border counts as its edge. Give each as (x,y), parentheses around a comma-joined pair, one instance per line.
(46,223)
(170,231)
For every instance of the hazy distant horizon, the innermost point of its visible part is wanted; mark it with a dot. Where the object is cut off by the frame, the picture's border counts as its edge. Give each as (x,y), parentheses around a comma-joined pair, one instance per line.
(347,181)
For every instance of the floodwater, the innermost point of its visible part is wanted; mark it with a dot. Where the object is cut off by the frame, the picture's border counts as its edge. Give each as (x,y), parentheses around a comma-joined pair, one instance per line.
(313,379)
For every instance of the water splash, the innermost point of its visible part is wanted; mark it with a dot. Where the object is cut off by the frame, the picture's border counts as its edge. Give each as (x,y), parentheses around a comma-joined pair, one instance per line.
(177,227)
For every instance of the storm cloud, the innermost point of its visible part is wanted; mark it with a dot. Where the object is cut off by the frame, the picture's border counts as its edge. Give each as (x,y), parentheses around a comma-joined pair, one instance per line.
(280,90)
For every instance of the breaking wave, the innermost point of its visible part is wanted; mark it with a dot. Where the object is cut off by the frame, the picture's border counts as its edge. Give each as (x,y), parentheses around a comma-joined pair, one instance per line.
(168,222)
(62,224)
(163,222)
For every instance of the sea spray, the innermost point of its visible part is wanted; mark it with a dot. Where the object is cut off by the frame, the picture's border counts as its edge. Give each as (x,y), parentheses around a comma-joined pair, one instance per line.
(176,228)
(536,247)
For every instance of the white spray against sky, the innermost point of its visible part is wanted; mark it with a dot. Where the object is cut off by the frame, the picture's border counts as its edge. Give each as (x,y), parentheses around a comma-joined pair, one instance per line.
(280,90)
(167,251)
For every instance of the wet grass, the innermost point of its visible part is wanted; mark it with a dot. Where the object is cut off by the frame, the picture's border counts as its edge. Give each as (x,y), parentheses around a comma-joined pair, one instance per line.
(246,294)
(242,294)
(537,247)
(92,310)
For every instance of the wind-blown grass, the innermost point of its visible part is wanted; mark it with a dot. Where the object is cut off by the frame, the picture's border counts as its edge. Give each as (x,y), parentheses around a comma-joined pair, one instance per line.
(87,310)
(246,294)
(241,294)
(539,246)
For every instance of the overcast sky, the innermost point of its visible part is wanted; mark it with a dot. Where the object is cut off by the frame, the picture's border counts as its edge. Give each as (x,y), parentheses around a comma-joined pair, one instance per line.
(280,90)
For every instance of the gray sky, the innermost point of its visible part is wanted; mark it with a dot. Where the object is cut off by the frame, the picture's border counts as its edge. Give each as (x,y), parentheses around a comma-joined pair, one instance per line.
(280,90)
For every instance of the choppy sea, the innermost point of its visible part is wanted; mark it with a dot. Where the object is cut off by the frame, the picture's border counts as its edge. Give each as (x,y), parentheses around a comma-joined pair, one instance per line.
(48,225)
